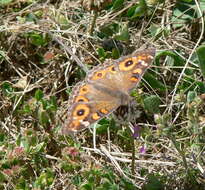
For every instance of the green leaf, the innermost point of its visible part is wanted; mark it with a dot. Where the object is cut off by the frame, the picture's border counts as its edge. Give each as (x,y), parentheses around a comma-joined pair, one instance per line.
(178,61)
(101,52)
(154,82)
(27,109)
(115,53)
(53,103)
(77,179)
(87,186)
(183,13)
(5,2)
(7,88)
(188,1)
(37,39)
(38,95)
(201,57)
(44,118)
(117,4)
(128,185)
(40,147)
(153,183)
(191,96)
(108,30)
(131,10)
(157,31)
(22,184)
(2,137)
(124,35)
(152,103)
(101,126)
(2,177)
(49,104)
(31,17)
(141,9)
(2,55)
(45,179)
(201,86)
(202,5)
(24,142)
(138,10)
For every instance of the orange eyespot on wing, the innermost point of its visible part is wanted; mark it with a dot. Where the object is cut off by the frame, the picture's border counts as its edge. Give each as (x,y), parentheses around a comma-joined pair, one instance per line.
(98,75)
(80,99)
(127,65)
(84,90)
(80,112)
(112,69)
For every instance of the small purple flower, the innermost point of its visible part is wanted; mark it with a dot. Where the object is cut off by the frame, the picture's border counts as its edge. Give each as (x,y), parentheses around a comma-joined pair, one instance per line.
(136,133)
(143,150)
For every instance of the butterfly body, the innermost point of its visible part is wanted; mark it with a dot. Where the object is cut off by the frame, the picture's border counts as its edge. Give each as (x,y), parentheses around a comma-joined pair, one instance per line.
(104,89)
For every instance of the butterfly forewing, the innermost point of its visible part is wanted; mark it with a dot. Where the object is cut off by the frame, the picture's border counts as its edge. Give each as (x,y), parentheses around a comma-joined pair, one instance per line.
(132,68)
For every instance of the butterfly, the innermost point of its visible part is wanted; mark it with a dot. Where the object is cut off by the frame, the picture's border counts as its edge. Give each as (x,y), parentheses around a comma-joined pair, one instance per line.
(105,88)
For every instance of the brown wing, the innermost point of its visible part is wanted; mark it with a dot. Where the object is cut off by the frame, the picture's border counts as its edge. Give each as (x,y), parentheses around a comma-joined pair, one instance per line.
(123,74)
(88,106)
(105,89)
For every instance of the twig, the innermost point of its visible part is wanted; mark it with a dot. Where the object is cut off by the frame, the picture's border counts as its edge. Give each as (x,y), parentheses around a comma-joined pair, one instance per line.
(80,64)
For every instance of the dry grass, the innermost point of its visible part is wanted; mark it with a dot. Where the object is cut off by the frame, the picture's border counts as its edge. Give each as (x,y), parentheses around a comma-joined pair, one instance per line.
(45,47)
